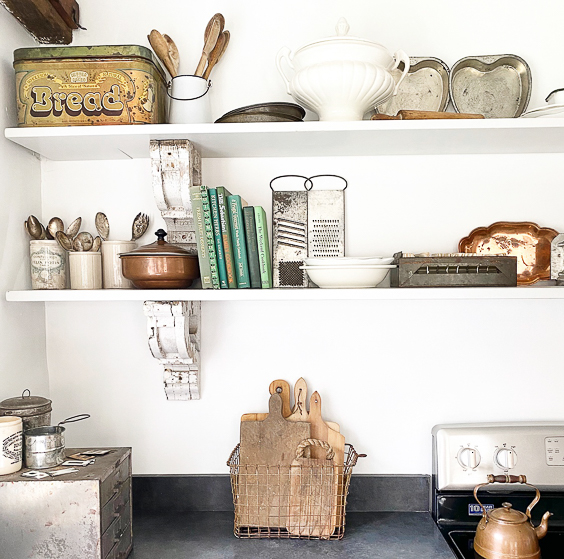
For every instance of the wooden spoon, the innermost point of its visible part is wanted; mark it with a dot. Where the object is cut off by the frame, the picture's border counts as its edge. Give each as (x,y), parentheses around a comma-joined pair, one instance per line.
(213,30)
(160,46)
(217,52)
(173,53)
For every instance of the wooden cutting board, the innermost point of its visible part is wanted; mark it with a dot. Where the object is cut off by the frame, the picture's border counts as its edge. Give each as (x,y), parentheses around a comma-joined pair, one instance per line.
(424,115)
(313,492)
(276,386)
(267,447)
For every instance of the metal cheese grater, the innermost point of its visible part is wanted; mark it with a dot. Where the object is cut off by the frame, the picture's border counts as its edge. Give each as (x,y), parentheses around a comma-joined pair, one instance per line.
(305,223)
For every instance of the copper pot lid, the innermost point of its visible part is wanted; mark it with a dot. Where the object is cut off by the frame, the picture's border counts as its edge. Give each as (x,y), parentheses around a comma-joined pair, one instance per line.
(507,515)
(159,248)
(26,404)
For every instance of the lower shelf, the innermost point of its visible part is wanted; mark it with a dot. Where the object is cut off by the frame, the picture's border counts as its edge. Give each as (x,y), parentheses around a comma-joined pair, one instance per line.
(281,294)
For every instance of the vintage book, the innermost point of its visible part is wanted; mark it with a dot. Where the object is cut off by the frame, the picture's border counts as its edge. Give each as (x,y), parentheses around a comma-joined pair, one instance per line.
(265,263)
(201,241)
(239,242)
(210,240)
(222,194)
(252,247)
(219,252)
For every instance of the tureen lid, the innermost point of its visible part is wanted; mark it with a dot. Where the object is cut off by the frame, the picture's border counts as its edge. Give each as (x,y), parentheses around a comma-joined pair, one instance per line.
(342,29)
(159,248)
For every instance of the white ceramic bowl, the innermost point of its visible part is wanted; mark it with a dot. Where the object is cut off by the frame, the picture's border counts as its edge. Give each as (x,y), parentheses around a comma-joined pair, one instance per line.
(348,261)
(347,277)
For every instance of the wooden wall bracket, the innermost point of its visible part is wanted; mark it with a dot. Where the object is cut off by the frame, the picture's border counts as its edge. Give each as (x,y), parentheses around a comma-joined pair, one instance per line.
(174,339)
(48,21)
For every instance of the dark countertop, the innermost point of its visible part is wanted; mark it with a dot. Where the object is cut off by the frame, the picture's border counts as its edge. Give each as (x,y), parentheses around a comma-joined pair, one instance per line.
(209,535)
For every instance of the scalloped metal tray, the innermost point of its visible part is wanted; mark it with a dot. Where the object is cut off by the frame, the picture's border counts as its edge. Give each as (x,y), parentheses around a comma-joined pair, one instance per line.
(425,88)
(496,86)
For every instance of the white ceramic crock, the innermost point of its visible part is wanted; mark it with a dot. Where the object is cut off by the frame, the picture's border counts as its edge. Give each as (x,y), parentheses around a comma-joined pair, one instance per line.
(112,276)
(342,77)
(85,270)
(11,440)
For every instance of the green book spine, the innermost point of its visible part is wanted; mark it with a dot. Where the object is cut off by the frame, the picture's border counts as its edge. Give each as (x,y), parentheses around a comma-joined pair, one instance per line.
(203,259)
(252,247)
(239,242)
(222,194)
(265,263)
(208,226)
(219,253)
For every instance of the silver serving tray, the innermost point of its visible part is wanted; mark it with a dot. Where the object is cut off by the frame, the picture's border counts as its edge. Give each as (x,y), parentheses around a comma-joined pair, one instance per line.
(425,88)
(496,86)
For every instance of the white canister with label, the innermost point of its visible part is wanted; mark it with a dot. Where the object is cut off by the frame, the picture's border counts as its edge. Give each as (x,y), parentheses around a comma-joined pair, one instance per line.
(111,264)
(11,440)
(85,270)
(48,265)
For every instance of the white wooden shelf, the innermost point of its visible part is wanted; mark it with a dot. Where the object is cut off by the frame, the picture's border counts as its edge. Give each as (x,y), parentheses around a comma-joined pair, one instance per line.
(378,294)
(300,139)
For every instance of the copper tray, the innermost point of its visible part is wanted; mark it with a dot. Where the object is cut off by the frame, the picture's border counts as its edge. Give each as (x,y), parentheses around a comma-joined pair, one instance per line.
(523,239)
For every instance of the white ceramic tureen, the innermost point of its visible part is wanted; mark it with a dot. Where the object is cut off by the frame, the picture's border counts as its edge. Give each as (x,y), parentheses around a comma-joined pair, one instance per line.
(342,77)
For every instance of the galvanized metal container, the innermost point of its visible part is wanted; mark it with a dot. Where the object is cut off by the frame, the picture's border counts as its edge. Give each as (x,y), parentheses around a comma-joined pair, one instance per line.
(68,86)
(45,446)
(35,411)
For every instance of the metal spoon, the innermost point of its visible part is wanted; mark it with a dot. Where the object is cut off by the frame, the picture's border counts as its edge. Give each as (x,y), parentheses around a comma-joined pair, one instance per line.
(64,240)
(83,242)
(55,224)
(211,34)
(217,52)
(140,224)
(74,227)
(173,53)
(102,226)
(160,46)
(96,244)
(35,228)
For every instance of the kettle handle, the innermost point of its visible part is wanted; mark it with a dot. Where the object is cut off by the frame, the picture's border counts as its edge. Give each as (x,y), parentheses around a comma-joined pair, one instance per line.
(507,479)
(400,56)
(284,54)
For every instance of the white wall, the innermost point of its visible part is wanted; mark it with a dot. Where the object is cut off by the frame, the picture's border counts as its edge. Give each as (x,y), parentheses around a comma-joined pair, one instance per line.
(22,340)
(387,371)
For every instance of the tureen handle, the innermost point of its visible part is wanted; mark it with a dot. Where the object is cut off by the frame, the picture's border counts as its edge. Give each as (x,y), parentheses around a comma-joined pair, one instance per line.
(400,56)
(284,54)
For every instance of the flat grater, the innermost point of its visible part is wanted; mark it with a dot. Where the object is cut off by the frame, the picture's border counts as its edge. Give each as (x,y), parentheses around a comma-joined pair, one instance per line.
(305,223)
(289,236)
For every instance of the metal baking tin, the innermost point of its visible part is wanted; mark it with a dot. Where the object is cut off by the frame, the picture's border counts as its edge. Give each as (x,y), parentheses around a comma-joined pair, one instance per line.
(496,86)
(68,86)
(425,88)
(454,271)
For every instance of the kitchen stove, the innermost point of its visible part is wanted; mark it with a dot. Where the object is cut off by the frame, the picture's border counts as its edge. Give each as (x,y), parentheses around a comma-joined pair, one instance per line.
(464,455)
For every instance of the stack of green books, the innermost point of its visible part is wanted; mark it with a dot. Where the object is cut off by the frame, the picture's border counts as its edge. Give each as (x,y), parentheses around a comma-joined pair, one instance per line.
(232,237)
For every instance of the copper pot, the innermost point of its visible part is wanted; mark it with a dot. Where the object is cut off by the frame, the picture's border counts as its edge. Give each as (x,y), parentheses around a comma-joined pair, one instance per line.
(506,533)
(160,265)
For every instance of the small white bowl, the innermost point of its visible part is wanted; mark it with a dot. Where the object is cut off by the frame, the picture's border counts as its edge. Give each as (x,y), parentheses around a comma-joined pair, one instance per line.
(348,260)
(347,277)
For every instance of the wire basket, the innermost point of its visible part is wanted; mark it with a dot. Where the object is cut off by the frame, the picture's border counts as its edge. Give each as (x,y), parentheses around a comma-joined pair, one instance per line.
(306,500)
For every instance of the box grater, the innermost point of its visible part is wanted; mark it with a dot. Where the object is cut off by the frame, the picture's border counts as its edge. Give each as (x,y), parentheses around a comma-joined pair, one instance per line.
(305,223)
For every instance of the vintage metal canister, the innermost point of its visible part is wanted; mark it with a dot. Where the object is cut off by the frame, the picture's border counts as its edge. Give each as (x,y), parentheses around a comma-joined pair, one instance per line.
(68,86)
(35,411)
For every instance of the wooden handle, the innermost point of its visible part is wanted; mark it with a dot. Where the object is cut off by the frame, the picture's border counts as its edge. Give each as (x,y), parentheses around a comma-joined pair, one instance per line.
(425,115)
(506,479)
(282,388)
(217,52)
(213,30)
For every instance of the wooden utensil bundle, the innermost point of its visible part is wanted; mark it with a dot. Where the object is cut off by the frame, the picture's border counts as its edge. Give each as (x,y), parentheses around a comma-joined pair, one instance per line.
(291,466)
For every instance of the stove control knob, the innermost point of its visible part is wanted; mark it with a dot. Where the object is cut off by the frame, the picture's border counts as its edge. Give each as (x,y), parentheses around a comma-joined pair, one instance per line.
(469,458)
(505,458)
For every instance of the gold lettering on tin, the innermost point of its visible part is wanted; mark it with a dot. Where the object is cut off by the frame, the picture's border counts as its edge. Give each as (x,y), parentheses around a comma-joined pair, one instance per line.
(43,104)
(110,102)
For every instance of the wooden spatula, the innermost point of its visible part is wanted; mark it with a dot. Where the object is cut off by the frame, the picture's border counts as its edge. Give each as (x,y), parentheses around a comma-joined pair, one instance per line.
(267,447)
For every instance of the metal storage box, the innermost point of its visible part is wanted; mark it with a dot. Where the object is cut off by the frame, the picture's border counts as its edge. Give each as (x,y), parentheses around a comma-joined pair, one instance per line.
(84,515)
(69,86)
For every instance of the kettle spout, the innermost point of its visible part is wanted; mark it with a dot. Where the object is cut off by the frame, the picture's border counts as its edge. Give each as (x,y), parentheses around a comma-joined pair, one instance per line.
(541,529)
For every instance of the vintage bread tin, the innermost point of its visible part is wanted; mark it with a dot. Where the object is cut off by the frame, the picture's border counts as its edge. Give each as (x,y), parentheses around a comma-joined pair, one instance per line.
(69,86)
(35,411)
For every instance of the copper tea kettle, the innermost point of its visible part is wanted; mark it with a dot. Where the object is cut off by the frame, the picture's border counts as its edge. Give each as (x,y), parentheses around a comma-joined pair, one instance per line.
(506,533)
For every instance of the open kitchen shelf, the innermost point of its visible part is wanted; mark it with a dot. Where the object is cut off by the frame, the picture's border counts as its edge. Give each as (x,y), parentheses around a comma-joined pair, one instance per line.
(281,294)
(301,139)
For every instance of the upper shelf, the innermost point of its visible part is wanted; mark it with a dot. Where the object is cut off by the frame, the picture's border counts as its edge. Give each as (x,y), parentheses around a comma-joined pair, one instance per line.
(301,139)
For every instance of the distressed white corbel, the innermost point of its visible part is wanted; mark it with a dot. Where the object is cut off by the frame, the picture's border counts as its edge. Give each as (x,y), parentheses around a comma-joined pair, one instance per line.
(174,339)
(176,166)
